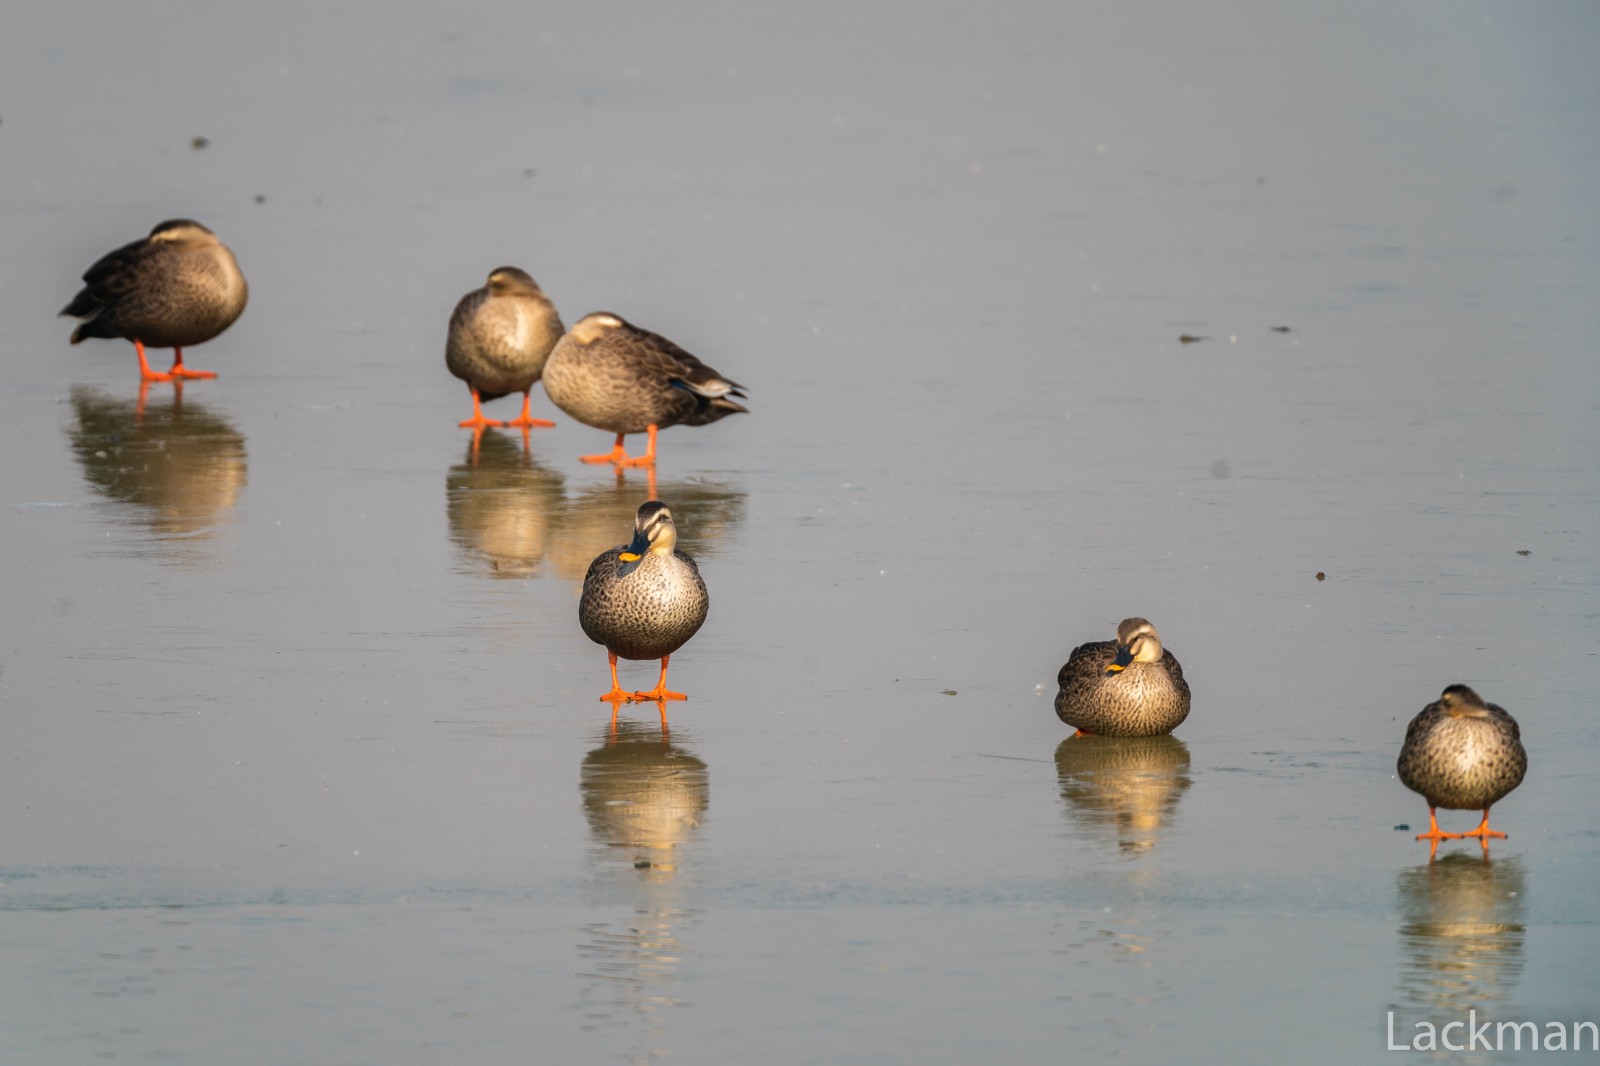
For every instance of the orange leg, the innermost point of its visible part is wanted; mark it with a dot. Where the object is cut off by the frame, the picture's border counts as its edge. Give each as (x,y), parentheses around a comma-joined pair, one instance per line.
(1082,733)
(526,419)
(178,370)
(616,695)
(145,373)
(621,458)
(1436,834)
(660,692)
(1483,832)
(477,421)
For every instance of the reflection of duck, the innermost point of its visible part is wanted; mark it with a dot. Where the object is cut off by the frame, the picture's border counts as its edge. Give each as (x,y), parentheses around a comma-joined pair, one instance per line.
(591,518)
(1129,687)
(610,374)
(500,336)
(1463,754)
(501,503)
(644,600)
(1461,937)
(1129,785)
(644,793)
(178,465)
(176,288)
(644,796)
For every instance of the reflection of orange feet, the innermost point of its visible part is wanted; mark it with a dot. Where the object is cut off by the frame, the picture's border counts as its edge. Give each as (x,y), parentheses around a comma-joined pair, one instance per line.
(621,458)
(526,420)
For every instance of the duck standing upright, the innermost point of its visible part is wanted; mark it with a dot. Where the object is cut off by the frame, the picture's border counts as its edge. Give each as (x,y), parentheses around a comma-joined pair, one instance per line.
(610,374)
(500,337)
(176,288)
(643,600)
(1462,754)
(1128,687)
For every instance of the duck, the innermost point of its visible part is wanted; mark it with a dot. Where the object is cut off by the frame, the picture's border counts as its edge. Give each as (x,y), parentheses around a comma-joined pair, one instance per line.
(1127,687)
(500,337)
(1461,753)
(643,600)
(176,288)
(610,374)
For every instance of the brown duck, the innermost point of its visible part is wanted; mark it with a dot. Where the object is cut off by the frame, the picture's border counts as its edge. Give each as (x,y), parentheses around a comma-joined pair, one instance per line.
(176,288)
(610,374)
(500,336)
(1463,754)
(1128,687)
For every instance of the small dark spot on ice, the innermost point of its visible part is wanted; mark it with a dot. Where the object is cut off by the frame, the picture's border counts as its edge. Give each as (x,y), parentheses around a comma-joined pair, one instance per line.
(198,143)
(1280,329)
(1321,576)
(1524,551)
(1189,338)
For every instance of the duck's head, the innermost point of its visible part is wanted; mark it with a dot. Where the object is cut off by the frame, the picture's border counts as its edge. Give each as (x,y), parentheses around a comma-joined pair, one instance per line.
(506,280)
(653,531)
(595,325)
(1459,701)
(1137,642)
(182,231)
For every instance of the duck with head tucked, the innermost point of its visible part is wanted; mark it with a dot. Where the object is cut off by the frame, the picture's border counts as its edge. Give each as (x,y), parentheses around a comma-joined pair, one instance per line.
(500,336)
(176,288)
(1128,687)
(610,374)
(1462,754)
(643,600)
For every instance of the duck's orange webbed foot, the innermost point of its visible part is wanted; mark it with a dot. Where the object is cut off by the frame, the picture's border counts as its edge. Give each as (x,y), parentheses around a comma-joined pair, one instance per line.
(615,455)
(660,693)
(1082,733)
(526,420)
(178,370)
(145,373)
(621,458)
(618,695)
(478,421)
(1434,833)
(1483,832)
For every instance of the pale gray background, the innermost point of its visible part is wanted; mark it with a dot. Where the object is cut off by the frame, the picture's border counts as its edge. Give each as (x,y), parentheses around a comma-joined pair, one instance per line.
(301,755)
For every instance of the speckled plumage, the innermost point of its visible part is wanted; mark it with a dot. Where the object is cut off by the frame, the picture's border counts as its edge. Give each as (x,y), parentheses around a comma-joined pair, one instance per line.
(649,607)
(1462,753)
(610,374)
(176,288)
(1128,687)
(502,334)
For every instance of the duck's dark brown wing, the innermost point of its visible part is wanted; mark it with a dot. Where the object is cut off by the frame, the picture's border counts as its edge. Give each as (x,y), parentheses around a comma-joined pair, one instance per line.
(714,395)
